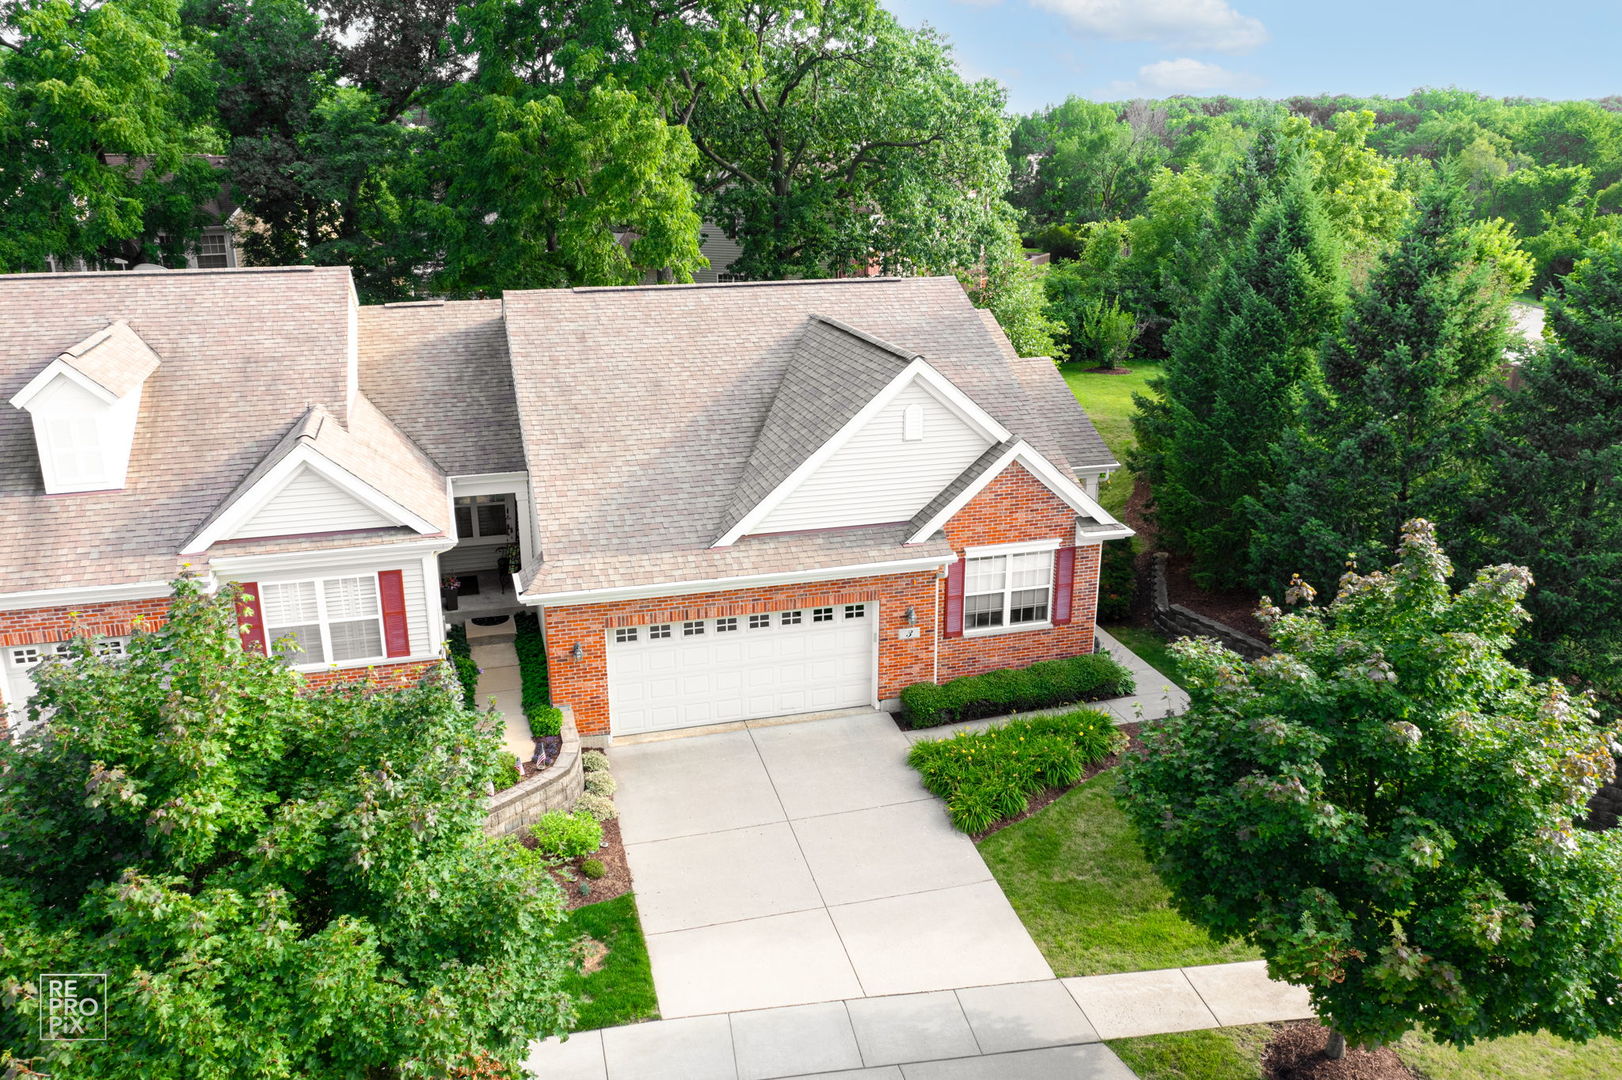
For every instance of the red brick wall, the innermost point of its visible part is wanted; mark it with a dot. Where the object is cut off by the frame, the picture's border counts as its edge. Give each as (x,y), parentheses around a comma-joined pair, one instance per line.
(120,618)
(379,676)
(1015,508)
(583,684)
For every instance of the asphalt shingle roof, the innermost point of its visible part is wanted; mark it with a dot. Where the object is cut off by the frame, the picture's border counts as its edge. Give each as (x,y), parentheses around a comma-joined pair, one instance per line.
(245,354)
(642,409)
(114,358)
(440,371)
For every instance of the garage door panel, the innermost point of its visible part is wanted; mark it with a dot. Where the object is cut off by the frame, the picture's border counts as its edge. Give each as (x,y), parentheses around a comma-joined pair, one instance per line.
(715,671)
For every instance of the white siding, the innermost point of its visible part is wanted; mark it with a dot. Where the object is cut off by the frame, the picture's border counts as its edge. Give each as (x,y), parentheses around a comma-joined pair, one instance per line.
(877,476)
(721,250)
(310,503)
(416,605)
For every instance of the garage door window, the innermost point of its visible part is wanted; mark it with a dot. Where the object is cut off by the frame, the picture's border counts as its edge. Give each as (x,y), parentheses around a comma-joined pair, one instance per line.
(855,611)
(658,633)
(760,622)
(624,634)
(793,618)
(724,626)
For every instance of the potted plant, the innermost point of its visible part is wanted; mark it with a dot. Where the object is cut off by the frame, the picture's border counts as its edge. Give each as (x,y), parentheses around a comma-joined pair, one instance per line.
(448,587)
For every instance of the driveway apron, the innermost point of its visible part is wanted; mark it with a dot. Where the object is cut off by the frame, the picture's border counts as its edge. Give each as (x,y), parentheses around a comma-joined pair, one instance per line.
(804,862)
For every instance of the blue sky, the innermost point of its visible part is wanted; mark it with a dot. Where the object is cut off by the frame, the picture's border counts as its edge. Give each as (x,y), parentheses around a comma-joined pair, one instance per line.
(1046,50)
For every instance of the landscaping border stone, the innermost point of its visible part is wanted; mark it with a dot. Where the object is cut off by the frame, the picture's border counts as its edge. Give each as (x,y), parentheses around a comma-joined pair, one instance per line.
(516,808)
(1175,620)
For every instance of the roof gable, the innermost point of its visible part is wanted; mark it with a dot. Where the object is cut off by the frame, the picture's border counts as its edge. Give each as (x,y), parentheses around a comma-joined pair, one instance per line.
(111,364)
(839,386)
(1096,523)
(317,479)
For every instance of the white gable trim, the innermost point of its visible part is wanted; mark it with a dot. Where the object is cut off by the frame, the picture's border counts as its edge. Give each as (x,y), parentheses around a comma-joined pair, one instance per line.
(269,485)
(1051,477)
(918,370)
(54,370)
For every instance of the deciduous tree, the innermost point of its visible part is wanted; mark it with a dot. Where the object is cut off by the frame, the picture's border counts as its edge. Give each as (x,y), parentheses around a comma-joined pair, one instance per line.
(1386,807)
(277,883)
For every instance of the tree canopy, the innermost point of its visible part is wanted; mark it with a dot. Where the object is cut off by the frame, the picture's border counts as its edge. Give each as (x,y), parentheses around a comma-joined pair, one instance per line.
(1386,807)
(279,883)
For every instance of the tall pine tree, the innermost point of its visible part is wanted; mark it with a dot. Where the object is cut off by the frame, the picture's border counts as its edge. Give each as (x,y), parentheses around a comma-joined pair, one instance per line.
(1554,500)
(1392,432)
(1231,384)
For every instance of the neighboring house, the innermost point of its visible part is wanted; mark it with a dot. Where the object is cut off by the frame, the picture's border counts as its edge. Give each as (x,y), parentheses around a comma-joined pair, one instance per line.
(729,501)
(213,247)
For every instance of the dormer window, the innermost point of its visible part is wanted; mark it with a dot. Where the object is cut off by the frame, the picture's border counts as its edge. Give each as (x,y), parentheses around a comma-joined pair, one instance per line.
(84,405)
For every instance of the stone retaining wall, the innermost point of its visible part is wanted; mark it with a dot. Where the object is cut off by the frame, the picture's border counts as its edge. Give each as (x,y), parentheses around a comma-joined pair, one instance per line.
(1175,620)
(521,805)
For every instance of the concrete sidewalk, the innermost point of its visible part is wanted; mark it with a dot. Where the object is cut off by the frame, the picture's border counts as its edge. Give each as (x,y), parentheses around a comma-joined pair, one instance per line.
(1044,1030)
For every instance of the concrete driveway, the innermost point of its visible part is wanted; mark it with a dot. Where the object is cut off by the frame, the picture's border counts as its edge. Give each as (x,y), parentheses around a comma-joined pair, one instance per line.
(804,862)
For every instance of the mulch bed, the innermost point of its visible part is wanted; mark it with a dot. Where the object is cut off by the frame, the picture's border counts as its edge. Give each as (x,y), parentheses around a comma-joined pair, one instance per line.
(613,884)
(1296,1053)
(1107,370)
(1233,607)
(1045,798)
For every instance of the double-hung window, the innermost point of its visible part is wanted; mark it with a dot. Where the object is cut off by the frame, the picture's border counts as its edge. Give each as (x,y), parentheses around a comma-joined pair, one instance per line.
(484,517)
(332,621)
(1009,590)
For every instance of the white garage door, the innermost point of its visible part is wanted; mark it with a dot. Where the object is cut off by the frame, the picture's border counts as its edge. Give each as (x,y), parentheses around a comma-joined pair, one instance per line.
(17,666)
(711,671)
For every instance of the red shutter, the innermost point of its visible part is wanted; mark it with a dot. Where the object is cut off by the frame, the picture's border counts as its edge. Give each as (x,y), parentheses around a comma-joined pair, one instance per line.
(954,599)
(250,622)
(1064,582)
(396,632)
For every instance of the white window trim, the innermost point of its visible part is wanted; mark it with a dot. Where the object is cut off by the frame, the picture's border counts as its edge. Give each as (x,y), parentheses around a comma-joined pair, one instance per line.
(478,539)
(1029,547)
(323,627)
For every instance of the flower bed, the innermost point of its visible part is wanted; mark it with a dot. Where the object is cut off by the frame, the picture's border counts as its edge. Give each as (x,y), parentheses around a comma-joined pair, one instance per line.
(1042,685)
(467,672)
(990,775)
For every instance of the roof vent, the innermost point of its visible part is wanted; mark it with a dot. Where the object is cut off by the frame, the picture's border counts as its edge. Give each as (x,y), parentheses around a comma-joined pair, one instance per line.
(148,268)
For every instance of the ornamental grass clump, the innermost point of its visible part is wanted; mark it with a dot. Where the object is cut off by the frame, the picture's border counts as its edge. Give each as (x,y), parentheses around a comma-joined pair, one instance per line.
(988,776)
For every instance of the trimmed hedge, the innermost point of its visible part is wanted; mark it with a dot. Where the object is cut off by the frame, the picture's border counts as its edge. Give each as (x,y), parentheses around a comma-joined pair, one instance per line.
(996,693)
(990,775)
(467,672)
(544,718)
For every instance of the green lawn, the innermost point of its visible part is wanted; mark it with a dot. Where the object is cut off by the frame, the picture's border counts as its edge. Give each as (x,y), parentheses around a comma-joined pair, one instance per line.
(1152,649)
(1080,883)
(1107,399)
(1235,1054)
(621,990)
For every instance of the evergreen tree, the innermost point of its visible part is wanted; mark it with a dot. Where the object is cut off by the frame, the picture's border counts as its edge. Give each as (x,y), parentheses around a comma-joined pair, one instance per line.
(1230,385)
(1554,504)
(1392,431)
(1220,228)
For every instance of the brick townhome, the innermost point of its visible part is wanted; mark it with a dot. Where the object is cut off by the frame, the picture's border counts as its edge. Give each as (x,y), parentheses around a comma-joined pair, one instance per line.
(723,501)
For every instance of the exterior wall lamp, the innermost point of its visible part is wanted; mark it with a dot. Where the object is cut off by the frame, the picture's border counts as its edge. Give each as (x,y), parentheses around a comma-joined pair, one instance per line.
(578,652)
(911,617)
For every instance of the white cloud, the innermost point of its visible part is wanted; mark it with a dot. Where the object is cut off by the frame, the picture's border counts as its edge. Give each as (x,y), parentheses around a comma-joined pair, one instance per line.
(1182,76)
(1209,25)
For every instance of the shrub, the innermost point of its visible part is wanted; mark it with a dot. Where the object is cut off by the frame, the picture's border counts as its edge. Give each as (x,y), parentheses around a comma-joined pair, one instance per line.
(536,692)
(509,773)
(593,869)
(1117,581)
(467,672)
(1040,686)
(601,783)
(566,836)
(991,775)
(594,761)
(600,807)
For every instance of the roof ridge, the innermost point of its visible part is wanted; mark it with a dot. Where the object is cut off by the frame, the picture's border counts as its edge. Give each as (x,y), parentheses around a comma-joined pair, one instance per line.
(882,280)
(908,355)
